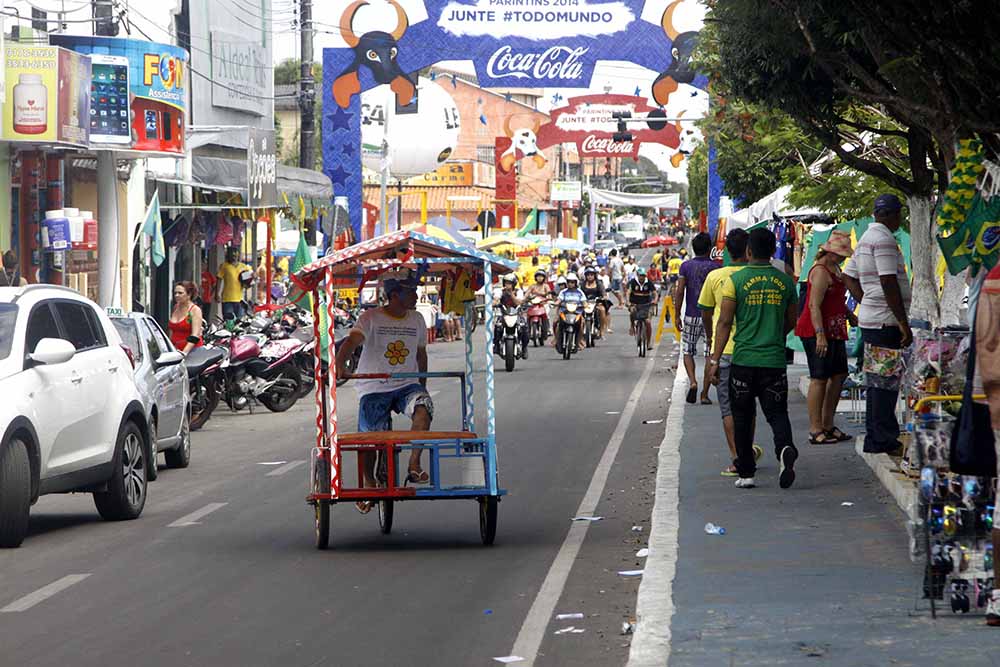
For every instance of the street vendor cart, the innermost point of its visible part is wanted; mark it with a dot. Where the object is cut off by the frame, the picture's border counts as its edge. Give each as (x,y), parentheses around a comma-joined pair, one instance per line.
(466,449)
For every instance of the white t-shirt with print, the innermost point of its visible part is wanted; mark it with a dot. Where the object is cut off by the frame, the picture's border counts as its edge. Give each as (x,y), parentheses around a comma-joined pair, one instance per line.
(391,346)
(877,254)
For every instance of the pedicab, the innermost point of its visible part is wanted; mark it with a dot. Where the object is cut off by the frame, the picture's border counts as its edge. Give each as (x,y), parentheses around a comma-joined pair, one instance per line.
(472,452)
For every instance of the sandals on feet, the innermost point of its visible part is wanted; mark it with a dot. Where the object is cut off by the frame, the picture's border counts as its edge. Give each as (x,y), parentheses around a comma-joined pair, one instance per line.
(729,472)
(838,435)
(706,401)
(417,476)
(692,395)
(821,438)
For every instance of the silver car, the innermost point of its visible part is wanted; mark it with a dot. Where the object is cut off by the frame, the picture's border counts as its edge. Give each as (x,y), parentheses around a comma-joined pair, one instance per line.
(163,385)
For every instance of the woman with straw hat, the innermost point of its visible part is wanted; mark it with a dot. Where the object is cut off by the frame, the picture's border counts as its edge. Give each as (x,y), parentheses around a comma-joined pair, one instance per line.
(822,326)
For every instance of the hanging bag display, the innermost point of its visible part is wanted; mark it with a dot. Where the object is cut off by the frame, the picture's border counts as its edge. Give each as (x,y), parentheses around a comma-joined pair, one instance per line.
(972,445)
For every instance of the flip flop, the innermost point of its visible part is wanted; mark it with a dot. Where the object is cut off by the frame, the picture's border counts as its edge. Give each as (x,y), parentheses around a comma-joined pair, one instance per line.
(417,476)
(729,472)
(758,452)
(692,395)
(706,401)
(821,438)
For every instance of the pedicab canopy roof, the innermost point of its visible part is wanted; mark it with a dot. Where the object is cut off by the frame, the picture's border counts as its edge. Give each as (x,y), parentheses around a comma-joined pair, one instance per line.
(398,249)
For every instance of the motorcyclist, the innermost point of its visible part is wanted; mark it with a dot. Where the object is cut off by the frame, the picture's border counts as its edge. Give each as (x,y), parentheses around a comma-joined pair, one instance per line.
(594,289)
(541,290)
(570,294)
(639,293)
(511,296)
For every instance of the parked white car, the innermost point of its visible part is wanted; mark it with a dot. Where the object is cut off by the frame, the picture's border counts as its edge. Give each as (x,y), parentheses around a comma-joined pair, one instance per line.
(71,416)
(161,376)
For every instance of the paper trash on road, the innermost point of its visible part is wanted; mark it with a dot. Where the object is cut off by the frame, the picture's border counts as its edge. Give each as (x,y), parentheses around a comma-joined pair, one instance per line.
(588,518)
(636,529)
(652,421)
(566,617)
(627,628)
(564,630)
(642,553)
(507,659)
(846,504)
(272,463)
(612,413)
(630,573)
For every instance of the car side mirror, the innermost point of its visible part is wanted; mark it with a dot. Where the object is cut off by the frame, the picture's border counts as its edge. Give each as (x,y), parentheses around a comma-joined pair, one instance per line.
(51,351)
(171,358)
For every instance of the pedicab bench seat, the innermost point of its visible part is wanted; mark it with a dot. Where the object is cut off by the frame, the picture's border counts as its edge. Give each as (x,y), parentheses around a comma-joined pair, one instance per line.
(382,437)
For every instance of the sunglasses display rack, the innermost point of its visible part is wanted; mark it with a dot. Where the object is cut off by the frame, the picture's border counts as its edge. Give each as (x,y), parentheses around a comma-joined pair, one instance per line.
(953,524)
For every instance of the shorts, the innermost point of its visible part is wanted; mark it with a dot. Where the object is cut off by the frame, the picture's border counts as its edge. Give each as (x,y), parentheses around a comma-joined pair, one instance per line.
(722,390)
(641,312)
(826,367)
(375,410)
(694,331)
(616,284)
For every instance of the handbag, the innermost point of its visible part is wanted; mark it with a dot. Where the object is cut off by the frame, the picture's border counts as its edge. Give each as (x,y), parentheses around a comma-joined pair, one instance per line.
(972,443)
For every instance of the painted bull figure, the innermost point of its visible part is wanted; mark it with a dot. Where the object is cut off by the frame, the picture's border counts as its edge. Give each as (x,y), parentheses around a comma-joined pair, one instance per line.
(376,50)
(682,48)
(524,143)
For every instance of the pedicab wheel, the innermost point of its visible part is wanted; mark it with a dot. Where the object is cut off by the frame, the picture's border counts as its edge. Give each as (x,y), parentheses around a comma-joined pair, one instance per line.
(488,519)
(322,524)
(385,511)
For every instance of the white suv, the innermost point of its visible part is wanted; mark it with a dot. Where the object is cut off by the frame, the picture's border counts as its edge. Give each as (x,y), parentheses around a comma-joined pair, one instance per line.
(71,417)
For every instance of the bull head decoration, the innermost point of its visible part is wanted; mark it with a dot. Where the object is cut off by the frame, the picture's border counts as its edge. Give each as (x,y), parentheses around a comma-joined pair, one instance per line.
(680,69)
(377,51)
(524,143)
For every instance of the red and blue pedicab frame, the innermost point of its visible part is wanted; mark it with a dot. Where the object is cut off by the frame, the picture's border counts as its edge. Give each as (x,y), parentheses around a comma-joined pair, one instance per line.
(346,267)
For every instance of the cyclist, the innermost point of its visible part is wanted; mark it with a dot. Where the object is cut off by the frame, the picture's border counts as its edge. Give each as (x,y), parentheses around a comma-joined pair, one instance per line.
(594,289)
(639,294)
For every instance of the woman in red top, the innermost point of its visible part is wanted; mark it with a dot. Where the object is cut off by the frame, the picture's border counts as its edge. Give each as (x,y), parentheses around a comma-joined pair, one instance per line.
(185,319)
(822,326)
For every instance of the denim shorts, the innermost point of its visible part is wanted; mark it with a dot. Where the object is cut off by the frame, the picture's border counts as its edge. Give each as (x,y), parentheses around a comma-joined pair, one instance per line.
(375,410)
(616,284)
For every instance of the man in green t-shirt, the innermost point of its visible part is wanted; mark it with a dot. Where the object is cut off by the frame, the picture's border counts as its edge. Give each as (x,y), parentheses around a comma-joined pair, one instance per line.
(762,301)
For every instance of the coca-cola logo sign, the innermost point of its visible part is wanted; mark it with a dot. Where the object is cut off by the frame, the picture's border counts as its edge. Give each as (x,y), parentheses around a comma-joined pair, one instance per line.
(589,122)
(560,63)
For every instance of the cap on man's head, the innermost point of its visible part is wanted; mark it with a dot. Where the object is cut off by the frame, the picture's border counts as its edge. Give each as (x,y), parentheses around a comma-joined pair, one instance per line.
(887,203)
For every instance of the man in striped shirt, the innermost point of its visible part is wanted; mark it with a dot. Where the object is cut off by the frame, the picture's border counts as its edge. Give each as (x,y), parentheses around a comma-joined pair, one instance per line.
(876,275)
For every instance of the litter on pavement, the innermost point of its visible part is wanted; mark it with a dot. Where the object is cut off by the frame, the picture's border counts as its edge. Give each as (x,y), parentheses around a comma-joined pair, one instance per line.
(846,504)
(642,553)
(566,617)
(570,629)
(712,529)
(627,628)
(636,529)
(630,573)
(588,518)
(652,421)
(507,659)
(271,463)
(612,413)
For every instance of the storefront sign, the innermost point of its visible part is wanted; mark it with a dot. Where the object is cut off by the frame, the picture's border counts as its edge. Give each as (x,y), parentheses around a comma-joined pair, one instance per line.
(458,173)
(262,169)
(47,92)
(155,95)
(589,122)
(566,191)
(239,68)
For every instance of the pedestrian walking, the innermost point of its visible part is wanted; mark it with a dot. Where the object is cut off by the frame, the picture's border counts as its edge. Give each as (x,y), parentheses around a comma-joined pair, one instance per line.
(987,333)
(822,326)
(876,275)
(229,289)
(761,300)
(616,268)
(9,274)
(692,278)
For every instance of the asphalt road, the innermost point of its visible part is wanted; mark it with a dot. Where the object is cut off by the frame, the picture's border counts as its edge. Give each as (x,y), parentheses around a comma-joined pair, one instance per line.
(221,569)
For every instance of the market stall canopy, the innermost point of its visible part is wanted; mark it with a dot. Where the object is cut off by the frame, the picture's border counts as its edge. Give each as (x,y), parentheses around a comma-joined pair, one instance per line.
(504,239)
(437,232)
(402,248)
(614,198)
(766,208)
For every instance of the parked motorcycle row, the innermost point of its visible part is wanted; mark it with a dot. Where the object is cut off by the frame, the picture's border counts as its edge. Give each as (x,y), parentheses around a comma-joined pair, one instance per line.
(257,360)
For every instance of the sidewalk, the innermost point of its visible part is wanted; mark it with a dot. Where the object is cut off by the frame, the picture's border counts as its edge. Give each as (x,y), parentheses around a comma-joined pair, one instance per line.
(798,576)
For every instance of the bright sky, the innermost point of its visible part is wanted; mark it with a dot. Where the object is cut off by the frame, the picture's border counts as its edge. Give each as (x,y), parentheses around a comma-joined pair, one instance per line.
(153,17)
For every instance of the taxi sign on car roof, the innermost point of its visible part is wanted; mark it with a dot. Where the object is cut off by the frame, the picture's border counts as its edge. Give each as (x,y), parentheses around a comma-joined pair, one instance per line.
(114,312)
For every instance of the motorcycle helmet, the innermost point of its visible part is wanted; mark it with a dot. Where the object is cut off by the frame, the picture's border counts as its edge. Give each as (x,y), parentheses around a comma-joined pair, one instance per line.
(542,273)
(572,278)
(510,278)
(561,281)
(589,271)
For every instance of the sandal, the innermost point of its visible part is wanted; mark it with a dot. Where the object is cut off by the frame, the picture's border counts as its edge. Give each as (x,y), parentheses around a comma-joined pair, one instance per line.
(692,395)
(417,476)
(729,472)
(821,438)
(838,435)
(364,506)
(758,452)
(706,401)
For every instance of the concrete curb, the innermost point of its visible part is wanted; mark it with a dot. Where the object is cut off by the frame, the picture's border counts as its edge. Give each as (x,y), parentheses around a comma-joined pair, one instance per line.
(899,486)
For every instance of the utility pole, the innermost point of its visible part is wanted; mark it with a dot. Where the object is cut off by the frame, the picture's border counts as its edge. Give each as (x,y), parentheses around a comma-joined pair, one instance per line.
(307,89)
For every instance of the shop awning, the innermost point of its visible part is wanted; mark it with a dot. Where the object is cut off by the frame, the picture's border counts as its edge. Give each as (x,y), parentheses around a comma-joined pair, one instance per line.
(231,176)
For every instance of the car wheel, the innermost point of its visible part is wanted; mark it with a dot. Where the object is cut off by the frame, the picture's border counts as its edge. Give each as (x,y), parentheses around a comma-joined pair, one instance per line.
(181,457)
(126,494)
(15,493)
(154,436)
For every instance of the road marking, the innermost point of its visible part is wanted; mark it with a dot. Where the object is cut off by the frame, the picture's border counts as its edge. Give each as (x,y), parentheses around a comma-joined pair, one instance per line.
(291,465)
(44,593)
(192,518)
(654,608)
(529,639)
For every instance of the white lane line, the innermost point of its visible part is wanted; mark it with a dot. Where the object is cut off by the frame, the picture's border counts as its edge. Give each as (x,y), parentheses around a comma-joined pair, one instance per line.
(654,608)
(281,470)
(529,639)
(44,593)
(192,518)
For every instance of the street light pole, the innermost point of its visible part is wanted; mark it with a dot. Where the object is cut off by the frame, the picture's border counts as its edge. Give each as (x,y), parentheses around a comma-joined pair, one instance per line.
(307,90)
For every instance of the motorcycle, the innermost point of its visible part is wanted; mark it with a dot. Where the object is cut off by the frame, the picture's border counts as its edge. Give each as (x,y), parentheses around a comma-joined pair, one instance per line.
(591,326)
(260,369)
(538,321)
(569,328)
(508,336)
(202,365)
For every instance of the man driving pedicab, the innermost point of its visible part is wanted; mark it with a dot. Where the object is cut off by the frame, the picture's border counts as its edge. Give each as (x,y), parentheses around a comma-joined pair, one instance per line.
(395,341)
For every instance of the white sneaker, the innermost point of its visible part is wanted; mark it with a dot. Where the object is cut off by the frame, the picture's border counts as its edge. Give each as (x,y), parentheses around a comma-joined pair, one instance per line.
(993,608)
(746,483)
